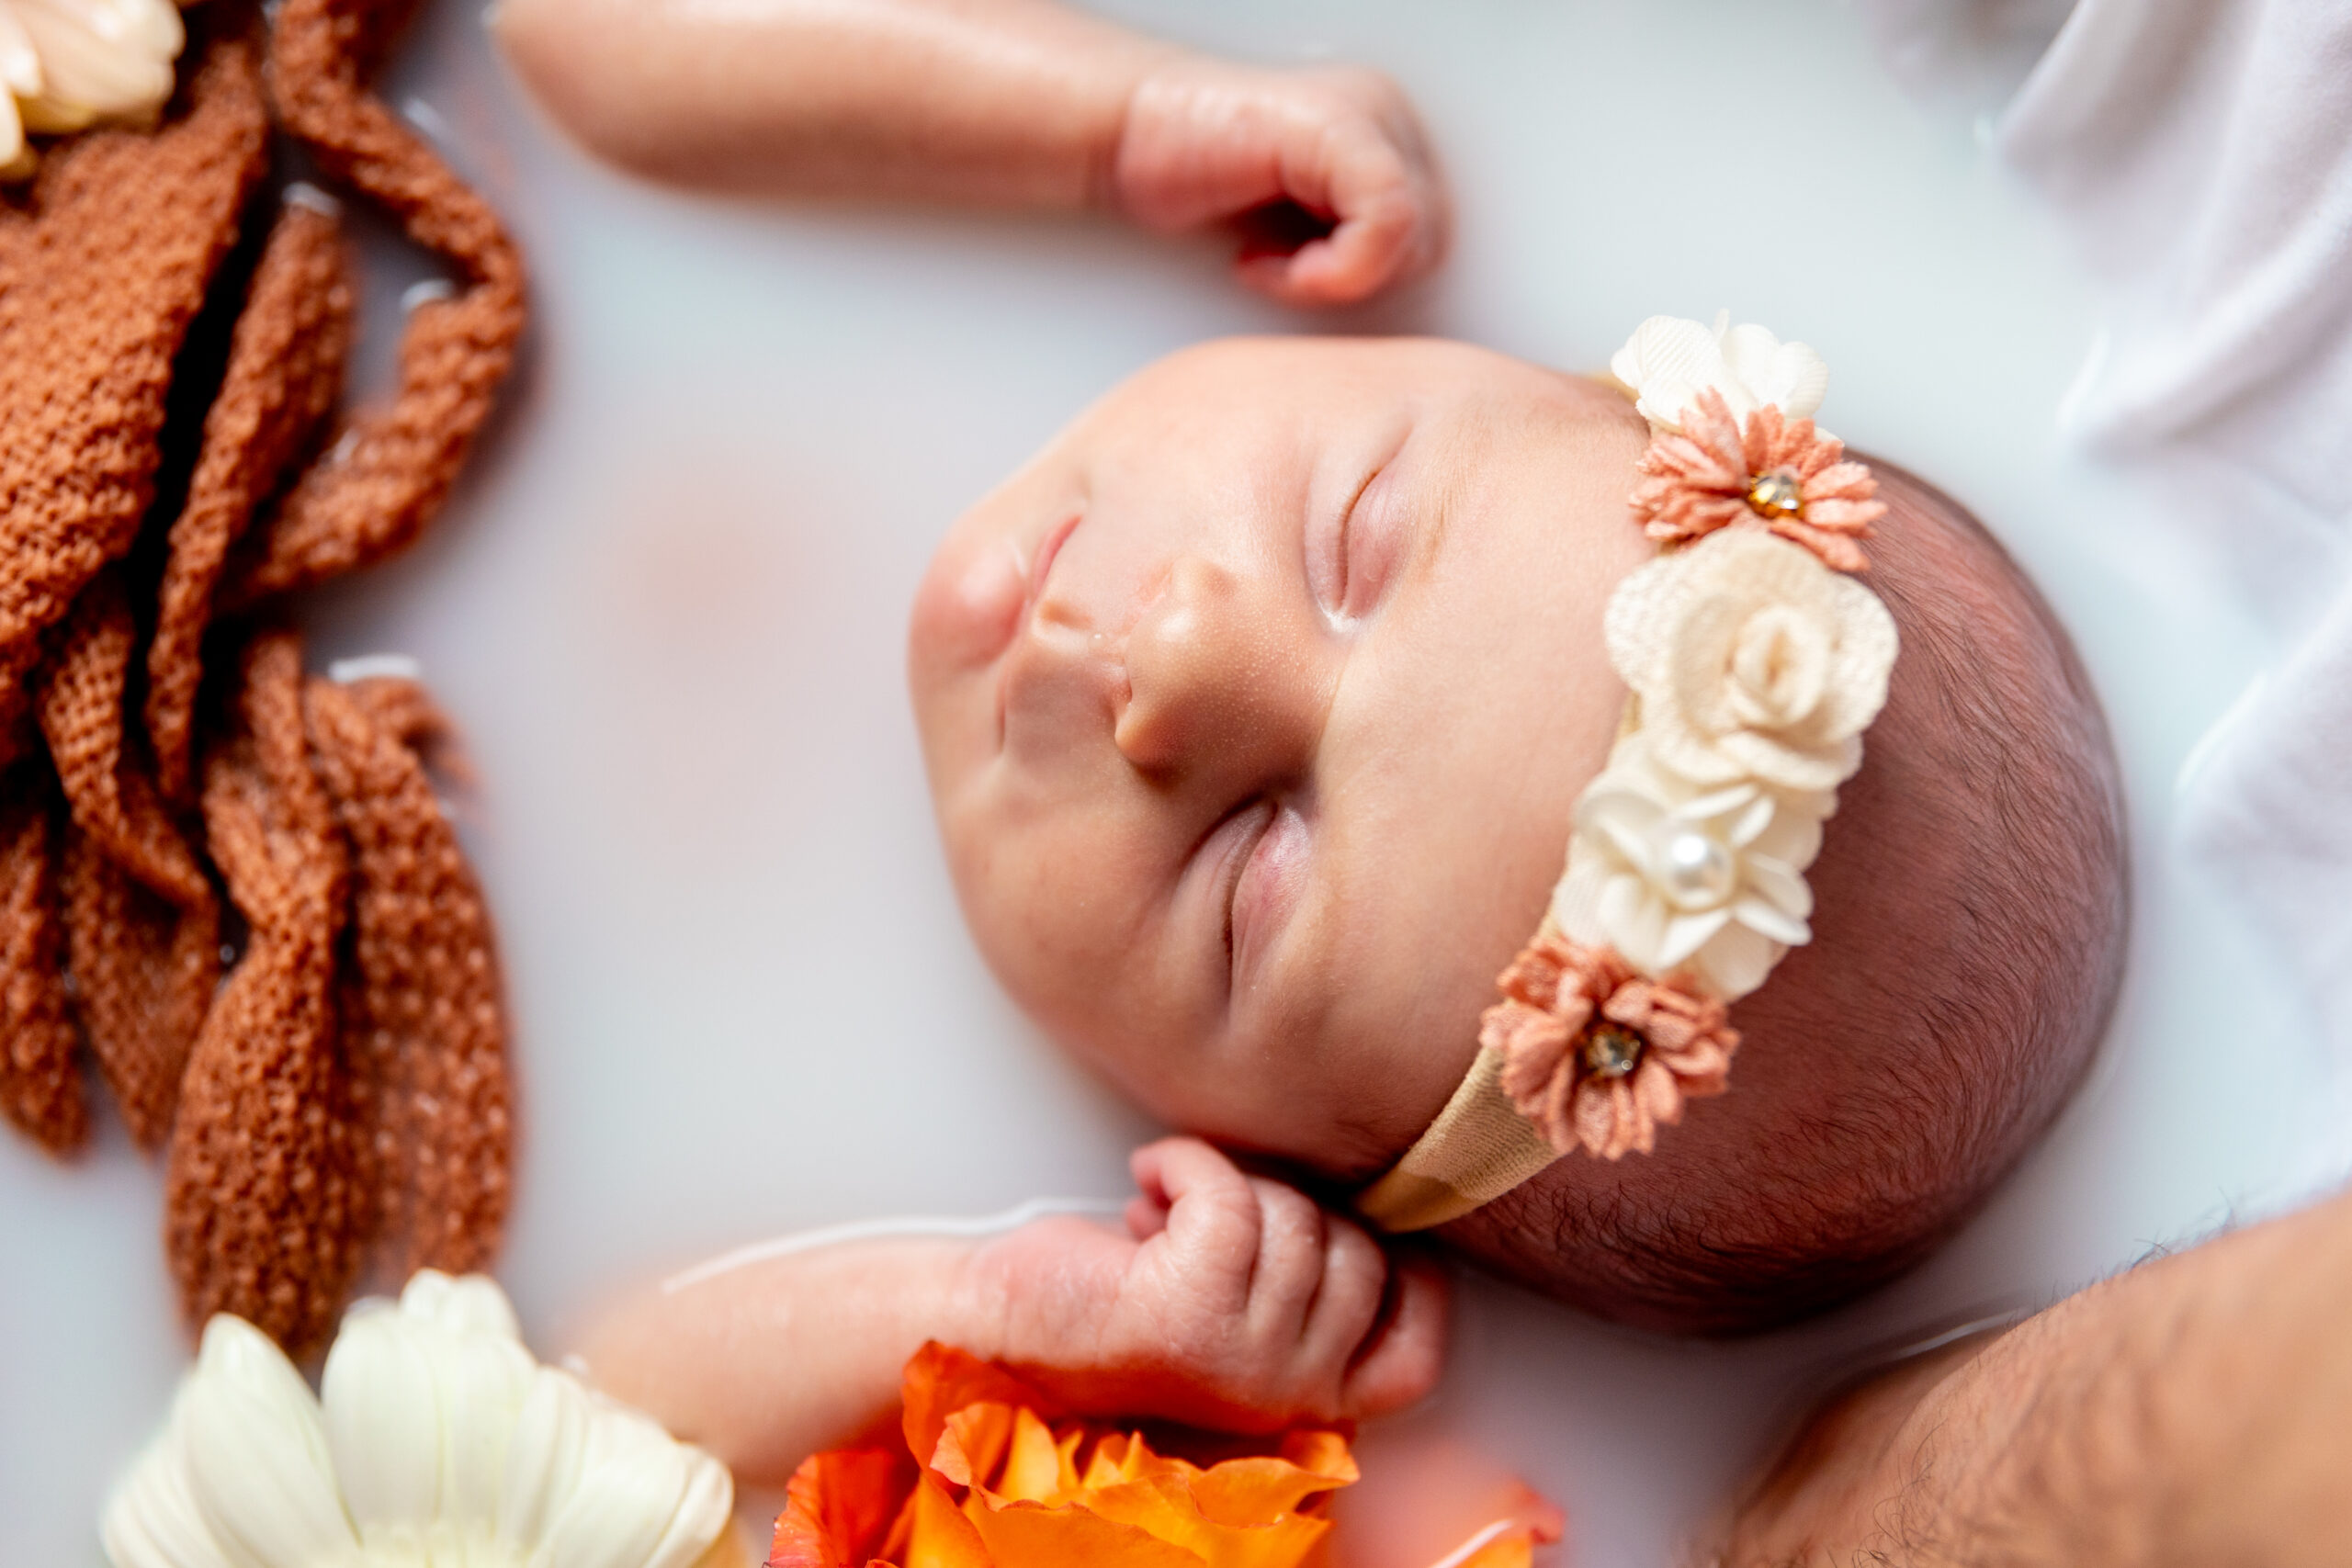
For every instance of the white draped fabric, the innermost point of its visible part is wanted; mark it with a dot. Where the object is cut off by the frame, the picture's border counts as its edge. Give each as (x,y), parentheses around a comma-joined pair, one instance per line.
(2201,153)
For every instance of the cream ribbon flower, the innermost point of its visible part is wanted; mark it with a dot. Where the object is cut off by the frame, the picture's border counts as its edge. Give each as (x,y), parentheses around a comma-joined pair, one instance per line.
(66,64)
(438,1441)
(1669,361)
(1750,658)
(1678,879)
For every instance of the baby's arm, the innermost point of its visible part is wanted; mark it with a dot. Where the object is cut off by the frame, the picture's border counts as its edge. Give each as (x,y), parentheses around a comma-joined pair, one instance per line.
(1231,1301)
(1016,103)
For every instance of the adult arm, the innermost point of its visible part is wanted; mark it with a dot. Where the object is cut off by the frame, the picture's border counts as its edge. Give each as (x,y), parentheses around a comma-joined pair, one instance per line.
(2195,1411)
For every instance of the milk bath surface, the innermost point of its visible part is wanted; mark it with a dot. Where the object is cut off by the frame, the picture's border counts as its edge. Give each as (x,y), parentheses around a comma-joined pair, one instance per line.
(667,608)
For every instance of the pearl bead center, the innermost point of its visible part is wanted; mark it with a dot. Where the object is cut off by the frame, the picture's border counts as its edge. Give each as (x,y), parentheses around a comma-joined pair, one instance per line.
(1697,871)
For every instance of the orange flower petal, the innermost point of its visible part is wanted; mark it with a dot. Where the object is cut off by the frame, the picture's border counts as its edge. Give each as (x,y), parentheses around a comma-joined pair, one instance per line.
(942,1537)
(838,1510)
(940,1381)
(1037,1492)
(1166,1509)
(1250,1492)
(1031,1535)
(1036,1468)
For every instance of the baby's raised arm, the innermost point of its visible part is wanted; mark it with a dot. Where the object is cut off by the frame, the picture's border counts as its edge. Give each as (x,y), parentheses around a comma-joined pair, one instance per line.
(1231,1301)
(1015,102)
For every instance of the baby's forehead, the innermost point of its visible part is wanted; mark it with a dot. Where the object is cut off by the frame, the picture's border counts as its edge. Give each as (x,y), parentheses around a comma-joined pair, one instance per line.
(1261,397)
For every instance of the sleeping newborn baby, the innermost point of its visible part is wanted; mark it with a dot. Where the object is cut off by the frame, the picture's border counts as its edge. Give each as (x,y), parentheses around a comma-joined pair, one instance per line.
(1260,707)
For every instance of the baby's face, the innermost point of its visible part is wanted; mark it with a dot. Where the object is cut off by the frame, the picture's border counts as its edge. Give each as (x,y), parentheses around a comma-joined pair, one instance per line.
(1256,708)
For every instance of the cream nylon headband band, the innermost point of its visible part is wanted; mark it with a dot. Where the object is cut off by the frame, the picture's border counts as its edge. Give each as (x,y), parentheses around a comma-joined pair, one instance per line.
(1754,662)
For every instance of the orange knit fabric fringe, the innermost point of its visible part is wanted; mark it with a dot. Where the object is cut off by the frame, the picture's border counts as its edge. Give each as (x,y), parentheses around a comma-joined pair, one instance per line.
(340,1103)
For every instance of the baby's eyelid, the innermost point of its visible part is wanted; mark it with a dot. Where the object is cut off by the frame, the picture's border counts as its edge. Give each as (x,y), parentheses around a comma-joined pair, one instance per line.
(1331,563)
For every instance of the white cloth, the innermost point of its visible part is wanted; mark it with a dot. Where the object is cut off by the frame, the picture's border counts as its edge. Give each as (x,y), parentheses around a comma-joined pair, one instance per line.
(2202,150)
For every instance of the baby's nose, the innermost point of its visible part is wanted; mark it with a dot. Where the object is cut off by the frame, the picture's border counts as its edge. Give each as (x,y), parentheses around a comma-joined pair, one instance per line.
(1220,682)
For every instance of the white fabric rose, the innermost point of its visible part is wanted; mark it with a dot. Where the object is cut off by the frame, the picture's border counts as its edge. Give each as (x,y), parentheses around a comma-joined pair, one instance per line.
(1676,878)
(1669,361)
(437,1440)
(1750,658)
(66,64)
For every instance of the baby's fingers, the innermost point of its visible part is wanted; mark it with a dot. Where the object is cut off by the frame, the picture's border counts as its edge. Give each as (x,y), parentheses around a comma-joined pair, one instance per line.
(1401,1362)
(1364,162)
(1210,1233)
(1346,1308)
(1289,1276)
(1367,251)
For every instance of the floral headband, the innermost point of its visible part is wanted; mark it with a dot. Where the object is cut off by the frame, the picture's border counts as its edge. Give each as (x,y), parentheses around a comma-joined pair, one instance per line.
(1755,661)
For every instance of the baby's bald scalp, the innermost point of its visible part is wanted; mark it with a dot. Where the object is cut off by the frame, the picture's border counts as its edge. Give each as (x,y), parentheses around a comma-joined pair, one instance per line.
(1969,942)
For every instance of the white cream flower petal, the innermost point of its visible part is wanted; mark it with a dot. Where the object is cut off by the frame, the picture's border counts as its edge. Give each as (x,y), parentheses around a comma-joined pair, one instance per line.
(1628,882)
(483,1380)
(1629,838)
(1736,962)
(97,61)
(20,61)
(1752,822)
(627,1495)
(1792,836)
(1799,381)
(1668,348)
(546,1457)
(1632,921)
(256,1454)
(1668,361)
(455,1449)
(1778,881)
(1752,660)
(1576,898)
(706,1510)
(1718,802)
(473,1304)
(13,161)
(152,1521)
(1789,375)
(1749,351)
(384,1419)
(1684,935)
(152,24)
(1767,918)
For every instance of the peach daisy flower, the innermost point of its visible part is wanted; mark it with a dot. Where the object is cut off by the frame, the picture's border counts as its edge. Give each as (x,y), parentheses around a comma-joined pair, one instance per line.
(1598,1056)
(1782,471)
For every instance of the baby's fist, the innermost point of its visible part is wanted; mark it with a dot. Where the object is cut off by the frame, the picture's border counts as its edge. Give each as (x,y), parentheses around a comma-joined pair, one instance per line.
(1234,1301)
(1334,149)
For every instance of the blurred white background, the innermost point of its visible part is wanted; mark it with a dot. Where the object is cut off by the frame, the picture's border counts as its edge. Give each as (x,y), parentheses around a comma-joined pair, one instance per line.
(667,609)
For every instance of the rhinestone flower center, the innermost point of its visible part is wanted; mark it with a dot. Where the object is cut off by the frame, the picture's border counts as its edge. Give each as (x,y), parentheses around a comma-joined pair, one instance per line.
(1611,1052)
(1776,494)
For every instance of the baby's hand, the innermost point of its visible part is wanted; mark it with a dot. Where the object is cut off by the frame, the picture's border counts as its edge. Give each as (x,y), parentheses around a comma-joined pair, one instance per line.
(1234,1302)
(1324,171)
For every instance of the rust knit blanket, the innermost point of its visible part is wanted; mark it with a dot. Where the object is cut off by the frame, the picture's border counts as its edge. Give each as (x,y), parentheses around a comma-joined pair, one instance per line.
(175,795)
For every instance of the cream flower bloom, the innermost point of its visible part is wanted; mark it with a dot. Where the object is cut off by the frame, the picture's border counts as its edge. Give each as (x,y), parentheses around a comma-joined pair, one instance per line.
(1750,658)
(66,64)
(436,1443)
(1669,361)
(1680,879)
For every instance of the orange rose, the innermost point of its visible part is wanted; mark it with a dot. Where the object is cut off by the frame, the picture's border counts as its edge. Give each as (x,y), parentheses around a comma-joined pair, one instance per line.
(1009,1482)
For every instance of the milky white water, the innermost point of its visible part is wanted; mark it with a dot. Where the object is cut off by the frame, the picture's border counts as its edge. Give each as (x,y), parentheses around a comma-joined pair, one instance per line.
(667,608)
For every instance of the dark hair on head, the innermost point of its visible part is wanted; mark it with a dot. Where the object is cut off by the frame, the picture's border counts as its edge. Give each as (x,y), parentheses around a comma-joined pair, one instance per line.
(1969,941)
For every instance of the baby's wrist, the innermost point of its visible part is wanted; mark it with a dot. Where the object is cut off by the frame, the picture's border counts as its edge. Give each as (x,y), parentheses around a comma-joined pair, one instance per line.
(977,1298)
(1155,76)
